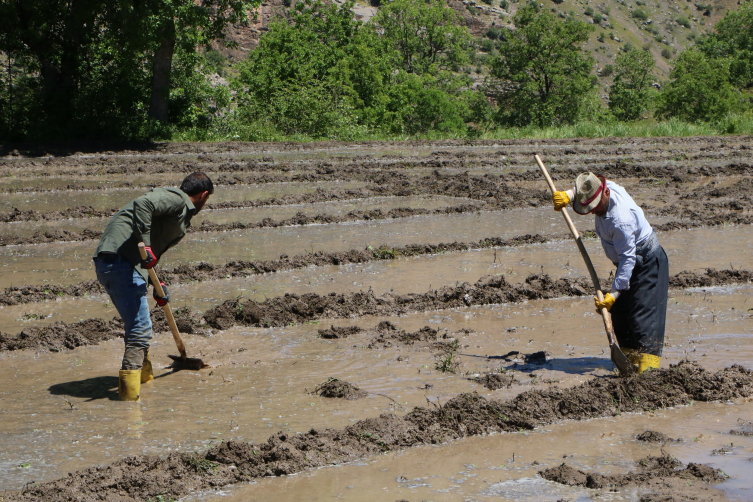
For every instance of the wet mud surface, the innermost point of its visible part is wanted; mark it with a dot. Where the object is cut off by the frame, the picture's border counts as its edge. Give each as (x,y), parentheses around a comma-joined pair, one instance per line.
(142,477)
(654,474)
(298,309)
(487,355)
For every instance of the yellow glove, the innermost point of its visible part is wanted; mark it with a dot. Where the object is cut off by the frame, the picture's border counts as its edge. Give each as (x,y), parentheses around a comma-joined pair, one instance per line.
(606,304)
(560,199)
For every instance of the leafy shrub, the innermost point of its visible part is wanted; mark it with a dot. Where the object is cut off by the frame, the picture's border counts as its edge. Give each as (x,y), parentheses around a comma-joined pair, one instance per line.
(666,53)
(607,71)
(683,21)
(639,14)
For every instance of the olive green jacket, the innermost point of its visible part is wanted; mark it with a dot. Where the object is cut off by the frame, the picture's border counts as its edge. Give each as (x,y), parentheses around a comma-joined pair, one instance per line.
(159,219)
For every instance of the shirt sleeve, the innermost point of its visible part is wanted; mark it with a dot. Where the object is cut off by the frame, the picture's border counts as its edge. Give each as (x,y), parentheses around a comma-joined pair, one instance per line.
(624,246)
(146,207)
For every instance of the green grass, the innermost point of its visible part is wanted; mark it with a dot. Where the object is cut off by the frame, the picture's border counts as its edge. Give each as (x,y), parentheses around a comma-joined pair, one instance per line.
(733,124)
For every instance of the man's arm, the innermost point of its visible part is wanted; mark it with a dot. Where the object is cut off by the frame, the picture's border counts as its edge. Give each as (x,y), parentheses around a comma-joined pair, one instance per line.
(624,244)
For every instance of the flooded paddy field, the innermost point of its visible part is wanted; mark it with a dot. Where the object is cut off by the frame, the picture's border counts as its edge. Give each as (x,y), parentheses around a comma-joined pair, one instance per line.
(453,300)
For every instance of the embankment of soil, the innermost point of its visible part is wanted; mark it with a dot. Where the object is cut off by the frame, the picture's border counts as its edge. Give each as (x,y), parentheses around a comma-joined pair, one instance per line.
(658,475)
(178,474)
(296,309)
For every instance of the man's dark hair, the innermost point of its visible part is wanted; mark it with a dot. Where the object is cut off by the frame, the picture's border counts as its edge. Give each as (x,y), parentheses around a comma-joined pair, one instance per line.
(196,183)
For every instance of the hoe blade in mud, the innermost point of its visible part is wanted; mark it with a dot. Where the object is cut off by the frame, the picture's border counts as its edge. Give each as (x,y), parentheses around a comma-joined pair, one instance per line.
(189,363)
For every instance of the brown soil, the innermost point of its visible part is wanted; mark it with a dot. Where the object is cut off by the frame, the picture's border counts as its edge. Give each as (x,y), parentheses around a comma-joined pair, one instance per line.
(386,334)
(142,477)
(297,309)
(340,389)
(339,332)
(495,381)
(59,335)
(746,428)
(649,467)
(655,437)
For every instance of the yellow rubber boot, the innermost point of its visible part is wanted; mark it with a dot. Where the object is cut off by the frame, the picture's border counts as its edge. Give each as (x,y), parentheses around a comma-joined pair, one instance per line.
(648,361)
(129,385)
(146,370)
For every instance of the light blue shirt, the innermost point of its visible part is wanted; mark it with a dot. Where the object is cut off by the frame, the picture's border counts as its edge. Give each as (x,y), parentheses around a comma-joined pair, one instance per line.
(621,230)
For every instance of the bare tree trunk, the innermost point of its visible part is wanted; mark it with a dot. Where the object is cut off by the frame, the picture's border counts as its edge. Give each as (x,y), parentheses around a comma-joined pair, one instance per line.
(163,60)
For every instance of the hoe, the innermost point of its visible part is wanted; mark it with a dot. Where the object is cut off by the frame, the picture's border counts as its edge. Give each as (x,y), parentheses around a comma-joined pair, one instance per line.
(182,362)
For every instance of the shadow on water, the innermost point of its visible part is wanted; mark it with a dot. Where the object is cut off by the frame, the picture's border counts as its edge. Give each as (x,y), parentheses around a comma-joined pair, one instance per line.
(569,365)
(101,387)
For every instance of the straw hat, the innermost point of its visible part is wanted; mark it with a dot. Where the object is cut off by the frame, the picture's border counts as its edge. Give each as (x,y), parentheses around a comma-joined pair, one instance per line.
(588,190)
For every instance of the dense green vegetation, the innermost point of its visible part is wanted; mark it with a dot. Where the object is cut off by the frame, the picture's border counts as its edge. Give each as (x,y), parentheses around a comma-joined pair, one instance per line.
(139,69)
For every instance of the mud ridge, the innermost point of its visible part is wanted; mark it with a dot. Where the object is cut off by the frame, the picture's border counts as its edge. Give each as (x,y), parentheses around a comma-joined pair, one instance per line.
(63,336)
(299,219)
(203,271)
(297,309)
(487,188)
(653,473)
(178,474)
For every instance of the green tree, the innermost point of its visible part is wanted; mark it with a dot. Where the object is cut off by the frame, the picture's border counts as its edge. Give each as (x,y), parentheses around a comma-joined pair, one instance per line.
(542,73)
(734,39)
(309,73)
(427,34)
(97,68)
(700,89)
(631,94)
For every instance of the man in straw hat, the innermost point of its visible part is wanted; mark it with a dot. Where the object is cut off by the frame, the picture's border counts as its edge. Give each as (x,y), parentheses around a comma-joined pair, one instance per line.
(638,299)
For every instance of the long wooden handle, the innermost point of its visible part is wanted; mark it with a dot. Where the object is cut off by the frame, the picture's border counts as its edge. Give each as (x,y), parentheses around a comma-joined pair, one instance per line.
(594,278)
(165,307)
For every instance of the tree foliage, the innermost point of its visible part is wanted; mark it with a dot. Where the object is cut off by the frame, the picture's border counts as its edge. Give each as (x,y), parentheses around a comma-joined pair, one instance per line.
(428,36)
(700,89)
(631,94)
(323,74)
(87,67)
(734,40)
(542,72)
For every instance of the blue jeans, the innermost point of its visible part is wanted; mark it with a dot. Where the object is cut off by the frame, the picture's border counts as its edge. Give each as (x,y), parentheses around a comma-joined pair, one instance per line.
(127,289)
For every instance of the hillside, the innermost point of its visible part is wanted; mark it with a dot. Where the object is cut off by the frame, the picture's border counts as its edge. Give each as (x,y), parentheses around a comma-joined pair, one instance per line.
(665,27)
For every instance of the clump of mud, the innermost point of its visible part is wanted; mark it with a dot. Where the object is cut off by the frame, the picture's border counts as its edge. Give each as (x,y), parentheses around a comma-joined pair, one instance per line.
(655,437)
(746,428)
(387,334)
(653,473)
(178,474)
(495,381)
(334,332)
(340,389)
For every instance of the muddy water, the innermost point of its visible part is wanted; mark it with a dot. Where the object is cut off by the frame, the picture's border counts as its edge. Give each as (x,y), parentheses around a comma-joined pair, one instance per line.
(484,468)
(251,215)
(71,262)
(688,250)
(116,198)
(260,377)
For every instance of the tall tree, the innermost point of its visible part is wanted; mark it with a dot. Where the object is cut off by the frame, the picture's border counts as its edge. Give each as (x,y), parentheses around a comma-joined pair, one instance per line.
(700,90)
(631,94)
(542,73)
(428,35)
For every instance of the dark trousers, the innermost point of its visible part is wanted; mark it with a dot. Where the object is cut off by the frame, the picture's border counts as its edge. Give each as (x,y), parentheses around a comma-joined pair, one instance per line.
(639,314)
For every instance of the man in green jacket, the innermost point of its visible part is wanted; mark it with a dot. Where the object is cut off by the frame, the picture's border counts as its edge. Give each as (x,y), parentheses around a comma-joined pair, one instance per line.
(159,219)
